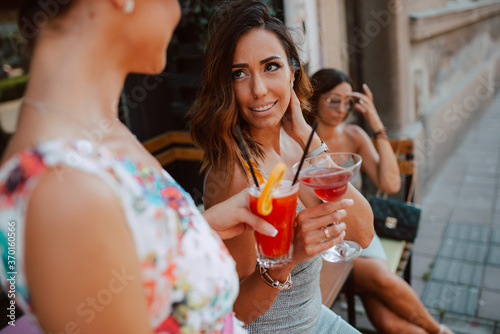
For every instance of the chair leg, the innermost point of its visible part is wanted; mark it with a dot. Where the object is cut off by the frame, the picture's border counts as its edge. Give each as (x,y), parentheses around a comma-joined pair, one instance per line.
(407,272)
(351,311)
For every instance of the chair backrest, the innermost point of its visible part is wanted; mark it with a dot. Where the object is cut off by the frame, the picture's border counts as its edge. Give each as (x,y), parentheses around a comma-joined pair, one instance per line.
(173,146)
(404,148)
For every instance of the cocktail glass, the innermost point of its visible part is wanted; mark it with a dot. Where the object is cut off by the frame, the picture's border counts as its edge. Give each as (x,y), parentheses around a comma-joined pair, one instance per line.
(275,252)
(328,175)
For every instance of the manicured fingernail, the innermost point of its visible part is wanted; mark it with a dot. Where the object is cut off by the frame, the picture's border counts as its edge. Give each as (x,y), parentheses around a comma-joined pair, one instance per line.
(364,85)
(271,231)
(350,201)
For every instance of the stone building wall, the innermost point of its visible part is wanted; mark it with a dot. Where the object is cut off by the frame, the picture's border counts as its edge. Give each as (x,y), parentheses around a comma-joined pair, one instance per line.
(454,66)
(433,66)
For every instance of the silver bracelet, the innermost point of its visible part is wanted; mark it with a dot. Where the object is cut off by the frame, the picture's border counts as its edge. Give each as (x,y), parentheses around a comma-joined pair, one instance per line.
(322,148)
(286,285)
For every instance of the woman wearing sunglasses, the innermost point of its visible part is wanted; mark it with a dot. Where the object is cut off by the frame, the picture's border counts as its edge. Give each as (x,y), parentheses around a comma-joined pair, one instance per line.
(391,304)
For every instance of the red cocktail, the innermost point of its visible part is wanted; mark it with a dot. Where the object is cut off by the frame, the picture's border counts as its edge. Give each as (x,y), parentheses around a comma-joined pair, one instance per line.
(329,184)
(328,175)
(273,252)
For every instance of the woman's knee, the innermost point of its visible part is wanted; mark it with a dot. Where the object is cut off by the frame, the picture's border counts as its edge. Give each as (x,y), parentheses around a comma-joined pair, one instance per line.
(386,280)
(374,272)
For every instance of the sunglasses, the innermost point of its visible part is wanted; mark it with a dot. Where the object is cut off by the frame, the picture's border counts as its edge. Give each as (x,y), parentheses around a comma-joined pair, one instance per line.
(335,101)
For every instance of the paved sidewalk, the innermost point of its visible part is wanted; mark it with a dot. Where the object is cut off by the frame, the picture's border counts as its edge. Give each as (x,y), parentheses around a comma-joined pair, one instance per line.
(456,259)
(458,246)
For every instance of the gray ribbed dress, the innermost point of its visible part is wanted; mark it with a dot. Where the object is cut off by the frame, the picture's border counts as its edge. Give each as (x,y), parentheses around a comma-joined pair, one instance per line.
(299,310)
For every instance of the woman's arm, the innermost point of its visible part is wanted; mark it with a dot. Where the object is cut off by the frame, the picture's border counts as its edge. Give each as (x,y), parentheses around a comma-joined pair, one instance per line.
(359,219)
(379,163)
(81,264)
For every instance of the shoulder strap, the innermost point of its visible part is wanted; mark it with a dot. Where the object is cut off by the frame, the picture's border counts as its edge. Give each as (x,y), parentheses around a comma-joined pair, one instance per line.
(206,177)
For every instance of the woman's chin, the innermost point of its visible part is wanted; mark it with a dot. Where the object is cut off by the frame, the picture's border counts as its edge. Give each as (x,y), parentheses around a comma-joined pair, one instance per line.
(331,122)
(153,66)
(159,66)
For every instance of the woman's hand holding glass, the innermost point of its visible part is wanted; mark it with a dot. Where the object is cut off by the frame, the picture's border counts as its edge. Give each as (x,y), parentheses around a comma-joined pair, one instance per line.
(310,235)
(233,217)
(329,175)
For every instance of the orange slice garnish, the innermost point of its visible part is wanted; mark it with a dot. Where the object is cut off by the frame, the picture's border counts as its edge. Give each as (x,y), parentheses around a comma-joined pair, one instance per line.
(265,201)
(257,171)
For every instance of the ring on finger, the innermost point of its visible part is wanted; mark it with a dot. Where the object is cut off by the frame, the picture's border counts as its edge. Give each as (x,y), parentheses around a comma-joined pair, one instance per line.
(327,233)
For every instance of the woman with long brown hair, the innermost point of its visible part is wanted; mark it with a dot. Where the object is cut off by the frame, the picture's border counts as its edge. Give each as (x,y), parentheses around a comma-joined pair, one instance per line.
(253,78)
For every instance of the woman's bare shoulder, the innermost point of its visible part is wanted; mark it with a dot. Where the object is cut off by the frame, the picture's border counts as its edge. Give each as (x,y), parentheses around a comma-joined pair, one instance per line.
(357,134)
(78,223)
(64,193)
(354,129)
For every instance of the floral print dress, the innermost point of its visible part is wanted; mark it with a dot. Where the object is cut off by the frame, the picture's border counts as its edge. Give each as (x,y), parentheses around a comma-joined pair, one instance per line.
(188,276)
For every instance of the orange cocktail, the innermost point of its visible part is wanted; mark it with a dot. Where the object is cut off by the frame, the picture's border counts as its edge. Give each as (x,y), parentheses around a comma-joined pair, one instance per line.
(273,252)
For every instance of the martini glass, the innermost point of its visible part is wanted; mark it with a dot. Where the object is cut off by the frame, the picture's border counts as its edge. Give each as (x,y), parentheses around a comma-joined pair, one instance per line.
(328,175)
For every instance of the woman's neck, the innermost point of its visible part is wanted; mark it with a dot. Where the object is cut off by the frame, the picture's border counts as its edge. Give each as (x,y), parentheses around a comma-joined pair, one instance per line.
(269,139)
(75,78)
(327,132)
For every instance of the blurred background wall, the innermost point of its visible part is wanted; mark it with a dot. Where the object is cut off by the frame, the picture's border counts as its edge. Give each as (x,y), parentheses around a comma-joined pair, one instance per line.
(433,66)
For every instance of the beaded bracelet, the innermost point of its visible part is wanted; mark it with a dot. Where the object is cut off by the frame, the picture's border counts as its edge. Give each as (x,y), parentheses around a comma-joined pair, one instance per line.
(286,285)
(381,133)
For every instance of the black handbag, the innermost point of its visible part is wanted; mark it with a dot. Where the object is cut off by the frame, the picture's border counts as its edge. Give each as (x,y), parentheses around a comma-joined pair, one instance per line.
(395,219)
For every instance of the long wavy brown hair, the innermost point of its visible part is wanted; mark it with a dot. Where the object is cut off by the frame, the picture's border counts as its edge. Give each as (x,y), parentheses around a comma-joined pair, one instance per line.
(215,111)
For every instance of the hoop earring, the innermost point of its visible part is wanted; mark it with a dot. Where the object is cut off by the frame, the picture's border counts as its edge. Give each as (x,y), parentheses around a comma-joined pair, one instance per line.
(129,6)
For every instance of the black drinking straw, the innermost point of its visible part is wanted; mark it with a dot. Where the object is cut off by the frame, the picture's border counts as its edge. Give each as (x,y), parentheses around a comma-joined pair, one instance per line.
(306,149)
(245,154)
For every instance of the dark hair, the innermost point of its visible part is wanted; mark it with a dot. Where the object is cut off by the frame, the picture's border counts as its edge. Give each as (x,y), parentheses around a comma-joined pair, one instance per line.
(324,81)
(188,6)
(215,111)
(33,14)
